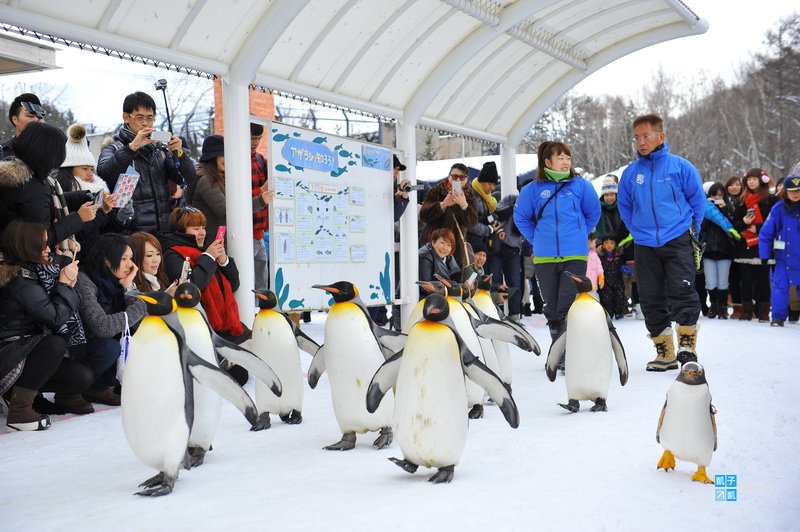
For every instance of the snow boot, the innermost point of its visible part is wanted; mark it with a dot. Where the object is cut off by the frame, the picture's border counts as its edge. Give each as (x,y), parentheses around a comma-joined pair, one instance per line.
(776,323)
(21,415)
(665,349)
(526,310)
(713,308)
(722,304)
(73,403)
(737,311)
(763,312)
(687,336)
(747,311)
(794,315)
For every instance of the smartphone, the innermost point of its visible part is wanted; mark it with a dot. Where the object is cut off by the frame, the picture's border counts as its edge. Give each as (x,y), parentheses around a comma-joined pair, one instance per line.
(97,198)
(221,232)
(472,277)
(457,187)
(161,136)
(751,211)
(490,219)
(185,270)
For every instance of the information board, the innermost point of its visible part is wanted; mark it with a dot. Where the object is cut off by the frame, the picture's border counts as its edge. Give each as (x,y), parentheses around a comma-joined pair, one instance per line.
(331,218)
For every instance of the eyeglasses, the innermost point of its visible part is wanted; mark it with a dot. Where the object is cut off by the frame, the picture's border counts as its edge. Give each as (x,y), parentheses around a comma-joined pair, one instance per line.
(458,177)
(149,119)
(646,136)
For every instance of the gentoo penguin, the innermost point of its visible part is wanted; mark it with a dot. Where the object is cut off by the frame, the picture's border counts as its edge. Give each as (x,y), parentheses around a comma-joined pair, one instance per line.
(352,352)
(687,429)
(276,340)
(428,376)
(158,392)
(587,342)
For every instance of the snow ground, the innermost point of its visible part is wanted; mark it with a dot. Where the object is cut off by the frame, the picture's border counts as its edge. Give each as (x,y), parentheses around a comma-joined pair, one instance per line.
(557,471)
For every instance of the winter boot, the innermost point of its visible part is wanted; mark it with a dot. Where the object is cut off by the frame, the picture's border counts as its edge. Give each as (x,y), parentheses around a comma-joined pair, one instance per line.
(722,304)
(794,315)
(713,308)
(777,323)
(73,403)
(687,336)
(21,415)
(747,311)
(665,349)
(737,311)
(763,312)
(526,310)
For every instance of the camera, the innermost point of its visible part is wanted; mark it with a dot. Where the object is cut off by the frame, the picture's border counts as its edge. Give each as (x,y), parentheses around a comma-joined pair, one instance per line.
(160,84)
(409,188)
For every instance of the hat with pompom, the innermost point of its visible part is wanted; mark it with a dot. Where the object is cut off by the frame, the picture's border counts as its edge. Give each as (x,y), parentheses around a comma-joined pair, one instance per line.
(78,153)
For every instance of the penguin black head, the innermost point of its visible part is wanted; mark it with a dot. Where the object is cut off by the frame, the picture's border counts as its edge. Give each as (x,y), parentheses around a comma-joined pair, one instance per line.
(581,281)
(692,373)
(266,299)
(433,287)
(341,291)
(159,303)
(435,307)
(187,295)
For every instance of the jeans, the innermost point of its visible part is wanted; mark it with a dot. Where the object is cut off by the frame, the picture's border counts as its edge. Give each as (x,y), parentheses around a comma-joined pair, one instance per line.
(101,354)
(717,273)
(261,263)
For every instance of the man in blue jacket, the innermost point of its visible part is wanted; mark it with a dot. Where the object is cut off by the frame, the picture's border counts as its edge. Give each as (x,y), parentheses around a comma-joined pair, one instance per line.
(660,199)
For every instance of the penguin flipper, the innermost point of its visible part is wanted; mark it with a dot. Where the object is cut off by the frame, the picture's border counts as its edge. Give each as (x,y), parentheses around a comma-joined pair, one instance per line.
(304,342)
(713,411)
(214,378)
(484,377)
(317,367)
(382,381)
(661,420)
(499,330)
(554,356)
(391,342)
(245,358)
(619,352)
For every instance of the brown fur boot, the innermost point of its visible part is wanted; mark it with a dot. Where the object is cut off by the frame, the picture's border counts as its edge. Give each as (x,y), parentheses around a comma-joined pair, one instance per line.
(763,312)
(21,415)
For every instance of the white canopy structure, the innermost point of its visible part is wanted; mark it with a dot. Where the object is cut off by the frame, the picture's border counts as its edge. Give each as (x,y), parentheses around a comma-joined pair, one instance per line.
(481,68)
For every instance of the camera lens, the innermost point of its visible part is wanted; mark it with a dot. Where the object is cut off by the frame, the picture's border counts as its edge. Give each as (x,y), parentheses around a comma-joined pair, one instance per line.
(407,188)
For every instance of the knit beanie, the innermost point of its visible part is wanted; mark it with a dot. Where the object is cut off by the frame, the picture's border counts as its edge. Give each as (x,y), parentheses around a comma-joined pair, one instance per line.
(78,153)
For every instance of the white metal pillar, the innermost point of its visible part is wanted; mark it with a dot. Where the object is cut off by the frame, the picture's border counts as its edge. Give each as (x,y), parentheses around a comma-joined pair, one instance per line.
(409,263)
(238,192)
(508,170)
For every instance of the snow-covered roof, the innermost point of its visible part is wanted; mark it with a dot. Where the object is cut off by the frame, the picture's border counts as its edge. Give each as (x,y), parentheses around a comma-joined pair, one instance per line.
(483,68)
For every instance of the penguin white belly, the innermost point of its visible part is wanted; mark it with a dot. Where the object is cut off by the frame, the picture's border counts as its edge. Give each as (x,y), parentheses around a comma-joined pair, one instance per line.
(484,302)
(274,342)
(588,360)
(429,421)
(686,430)
(207,403)
(414,317)
(352,356)
(467,333)
(153,398)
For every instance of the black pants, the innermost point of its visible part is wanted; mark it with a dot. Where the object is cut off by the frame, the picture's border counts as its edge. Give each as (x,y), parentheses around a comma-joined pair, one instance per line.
(48,370)
(666,284)
(558,290)
(612,296)
(754,279)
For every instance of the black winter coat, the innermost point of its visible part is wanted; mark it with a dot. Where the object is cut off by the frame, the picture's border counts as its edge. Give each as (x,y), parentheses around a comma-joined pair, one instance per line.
(430,264)
(204,269)
(719,244)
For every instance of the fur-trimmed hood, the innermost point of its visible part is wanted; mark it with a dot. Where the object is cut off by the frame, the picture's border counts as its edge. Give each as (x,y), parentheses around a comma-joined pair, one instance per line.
(7,273)
(14,173)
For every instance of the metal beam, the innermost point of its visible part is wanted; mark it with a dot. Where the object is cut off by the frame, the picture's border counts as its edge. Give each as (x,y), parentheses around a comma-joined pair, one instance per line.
(187,23)
(320,38)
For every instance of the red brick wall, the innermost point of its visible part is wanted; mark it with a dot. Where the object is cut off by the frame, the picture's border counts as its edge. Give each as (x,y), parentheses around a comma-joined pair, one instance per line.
(262,104)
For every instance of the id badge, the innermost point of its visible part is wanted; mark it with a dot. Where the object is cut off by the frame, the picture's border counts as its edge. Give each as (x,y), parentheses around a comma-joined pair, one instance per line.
(779,244)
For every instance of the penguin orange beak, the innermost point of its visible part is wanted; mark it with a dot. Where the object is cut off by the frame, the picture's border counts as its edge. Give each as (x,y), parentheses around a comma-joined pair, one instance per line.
(329,289)
(427,286)
(260,296)
(435,311)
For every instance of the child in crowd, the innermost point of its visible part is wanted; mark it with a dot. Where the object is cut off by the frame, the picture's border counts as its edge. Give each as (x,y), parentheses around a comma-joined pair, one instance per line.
(594,270)
(77,170)
(612,295)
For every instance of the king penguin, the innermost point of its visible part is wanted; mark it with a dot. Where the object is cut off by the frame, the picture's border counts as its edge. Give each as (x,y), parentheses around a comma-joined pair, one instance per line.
(687,429)
(587,343)
(278,341)
(352,352)
(158,392)
(428,377)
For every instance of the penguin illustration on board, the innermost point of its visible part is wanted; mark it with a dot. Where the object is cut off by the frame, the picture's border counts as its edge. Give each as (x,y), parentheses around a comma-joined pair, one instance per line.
(278,340)
(586,346)
(428,377)
(354,349)
(158,409)
(686,428)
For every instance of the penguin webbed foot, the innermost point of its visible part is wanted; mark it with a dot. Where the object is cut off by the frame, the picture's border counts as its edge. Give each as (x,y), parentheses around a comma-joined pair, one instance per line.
(405,465)
(292,418)
(666,462)
(701,476)
(156,486)
(599,405)
(195,456)
(572,405)
(347,442)
(262,423)
(443,476)
(476,412)
(385,439)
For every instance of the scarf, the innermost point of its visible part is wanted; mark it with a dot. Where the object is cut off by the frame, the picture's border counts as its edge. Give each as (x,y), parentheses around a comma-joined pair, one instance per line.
(217,298)
(110,294)
(95,185)
(155,286)
(47,274)
(491,201)
(751,202)
(60,208)
(555,176)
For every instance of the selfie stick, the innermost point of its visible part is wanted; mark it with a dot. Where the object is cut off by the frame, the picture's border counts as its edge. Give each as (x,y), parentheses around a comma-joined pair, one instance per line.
(161,85)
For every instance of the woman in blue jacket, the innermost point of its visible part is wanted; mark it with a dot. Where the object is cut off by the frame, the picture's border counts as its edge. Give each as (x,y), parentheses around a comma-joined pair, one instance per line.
(555,213)
(780,238)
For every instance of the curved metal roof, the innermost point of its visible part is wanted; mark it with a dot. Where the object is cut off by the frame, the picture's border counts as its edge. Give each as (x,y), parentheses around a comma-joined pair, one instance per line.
(484,68)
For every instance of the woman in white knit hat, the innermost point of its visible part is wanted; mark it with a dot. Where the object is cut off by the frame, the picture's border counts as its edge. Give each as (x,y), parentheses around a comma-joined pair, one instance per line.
(77,171)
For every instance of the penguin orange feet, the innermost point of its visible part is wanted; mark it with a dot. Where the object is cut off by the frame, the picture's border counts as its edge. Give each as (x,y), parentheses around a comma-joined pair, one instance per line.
(666,462)
(700,476)
(405,465)
(347,442)
(385,439)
